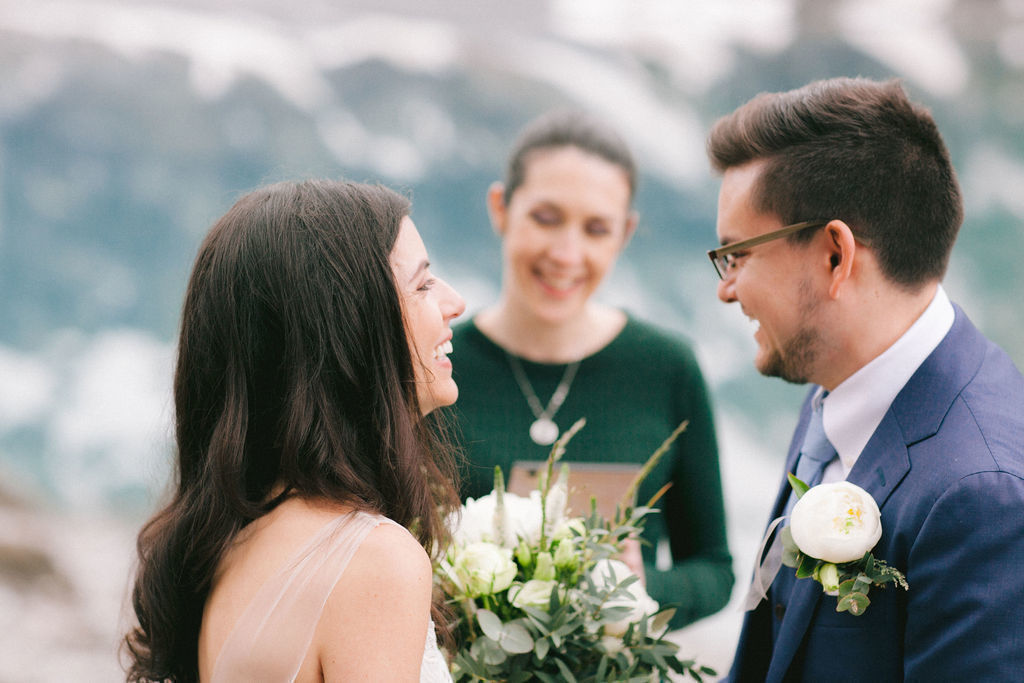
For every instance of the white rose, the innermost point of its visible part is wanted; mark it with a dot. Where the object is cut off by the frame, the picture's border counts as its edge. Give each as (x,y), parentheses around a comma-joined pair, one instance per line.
(523,518)
(639,602)
(482,569)
(475,522)
(836,522)
(612,644)
(570,527)
(533,593)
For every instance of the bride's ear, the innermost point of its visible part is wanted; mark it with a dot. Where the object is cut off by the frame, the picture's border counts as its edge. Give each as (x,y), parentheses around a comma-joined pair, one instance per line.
(496,208)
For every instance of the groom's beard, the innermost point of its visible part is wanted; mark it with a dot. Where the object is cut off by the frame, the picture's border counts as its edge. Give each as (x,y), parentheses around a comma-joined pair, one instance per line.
(793,361)
(799,354)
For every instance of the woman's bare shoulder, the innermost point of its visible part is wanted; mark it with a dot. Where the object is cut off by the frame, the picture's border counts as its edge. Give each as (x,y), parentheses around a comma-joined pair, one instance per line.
(255,555)
(375,623)
(391,559)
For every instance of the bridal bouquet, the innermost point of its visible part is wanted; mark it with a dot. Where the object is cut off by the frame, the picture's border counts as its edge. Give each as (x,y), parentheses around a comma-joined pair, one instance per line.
(539,595)
(832,530)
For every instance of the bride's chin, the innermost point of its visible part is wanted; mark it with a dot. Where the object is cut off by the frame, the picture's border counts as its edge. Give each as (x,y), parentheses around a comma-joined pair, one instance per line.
(438,399)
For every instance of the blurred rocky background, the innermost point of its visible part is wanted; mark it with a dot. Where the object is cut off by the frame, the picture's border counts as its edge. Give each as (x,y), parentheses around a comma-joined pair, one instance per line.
(127,127)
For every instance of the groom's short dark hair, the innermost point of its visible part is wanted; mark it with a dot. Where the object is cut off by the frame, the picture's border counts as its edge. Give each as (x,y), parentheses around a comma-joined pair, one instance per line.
(856,150)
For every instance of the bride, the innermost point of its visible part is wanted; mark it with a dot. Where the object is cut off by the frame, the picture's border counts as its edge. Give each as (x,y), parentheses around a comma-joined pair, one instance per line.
(313,340)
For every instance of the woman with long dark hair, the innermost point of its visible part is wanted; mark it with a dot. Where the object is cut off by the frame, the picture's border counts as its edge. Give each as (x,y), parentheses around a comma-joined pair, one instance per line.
(308,489)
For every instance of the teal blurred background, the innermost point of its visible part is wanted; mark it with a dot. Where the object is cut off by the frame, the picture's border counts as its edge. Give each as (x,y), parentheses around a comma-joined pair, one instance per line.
(127,128)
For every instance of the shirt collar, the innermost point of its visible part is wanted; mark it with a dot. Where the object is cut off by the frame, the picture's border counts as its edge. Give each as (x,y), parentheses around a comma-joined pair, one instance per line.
(853,410)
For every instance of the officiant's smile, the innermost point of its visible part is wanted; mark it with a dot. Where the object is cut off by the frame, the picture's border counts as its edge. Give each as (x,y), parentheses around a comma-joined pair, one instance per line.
(563,227)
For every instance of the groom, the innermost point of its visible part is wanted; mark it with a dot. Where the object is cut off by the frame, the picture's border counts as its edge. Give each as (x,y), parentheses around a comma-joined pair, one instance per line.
(837,213)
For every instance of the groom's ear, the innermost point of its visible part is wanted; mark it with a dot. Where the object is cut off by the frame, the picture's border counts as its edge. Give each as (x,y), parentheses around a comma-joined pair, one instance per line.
(496,208)
(841,252)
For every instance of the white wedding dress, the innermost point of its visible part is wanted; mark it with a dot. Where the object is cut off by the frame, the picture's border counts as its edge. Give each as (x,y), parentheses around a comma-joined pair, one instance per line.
(270,640)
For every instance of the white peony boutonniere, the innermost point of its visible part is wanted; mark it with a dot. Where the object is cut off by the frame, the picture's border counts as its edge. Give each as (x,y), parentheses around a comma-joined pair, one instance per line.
(832,530)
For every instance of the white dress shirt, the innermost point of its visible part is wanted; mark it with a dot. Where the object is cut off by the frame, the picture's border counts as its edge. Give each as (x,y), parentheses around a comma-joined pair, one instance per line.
(853,410)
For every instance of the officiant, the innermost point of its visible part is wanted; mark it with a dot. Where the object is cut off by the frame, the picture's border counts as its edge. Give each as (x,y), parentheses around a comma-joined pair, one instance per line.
(546,354)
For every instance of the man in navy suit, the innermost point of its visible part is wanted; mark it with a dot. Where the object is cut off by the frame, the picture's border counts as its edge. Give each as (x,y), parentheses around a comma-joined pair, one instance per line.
(837,213)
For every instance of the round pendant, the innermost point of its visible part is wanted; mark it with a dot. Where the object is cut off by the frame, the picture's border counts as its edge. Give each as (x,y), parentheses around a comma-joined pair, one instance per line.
(544,432)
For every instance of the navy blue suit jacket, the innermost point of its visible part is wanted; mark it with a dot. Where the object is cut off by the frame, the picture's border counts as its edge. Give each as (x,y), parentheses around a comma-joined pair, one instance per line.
(946,466)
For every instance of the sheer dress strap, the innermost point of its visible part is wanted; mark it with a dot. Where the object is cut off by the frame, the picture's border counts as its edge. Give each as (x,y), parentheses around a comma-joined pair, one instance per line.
(271,638)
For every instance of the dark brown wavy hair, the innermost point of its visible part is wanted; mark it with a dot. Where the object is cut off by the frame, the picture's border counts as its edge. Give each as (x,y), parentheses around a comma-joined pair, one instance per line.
(293,370)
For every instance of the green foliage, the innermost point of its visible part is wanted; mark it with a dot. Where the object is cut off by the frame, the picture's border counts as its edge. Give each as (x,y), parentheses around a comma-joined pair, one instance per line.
(798,486)
(578,633)
(855,578)
(569,640)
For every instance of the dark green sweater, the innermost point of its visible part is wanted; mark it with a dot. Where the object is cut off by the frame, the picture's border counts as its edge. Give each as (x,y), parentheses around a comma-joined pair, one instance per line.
(633,392)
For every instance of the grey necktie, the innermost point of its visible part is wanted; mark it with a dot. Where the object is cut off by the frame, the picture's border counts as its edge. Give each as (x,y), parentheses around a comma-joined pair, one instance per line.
(815,454)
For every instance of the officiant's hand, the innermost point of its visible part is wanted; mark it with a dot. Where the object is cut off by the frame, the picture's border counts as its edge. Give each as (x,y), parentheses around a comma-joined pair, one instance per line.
(633,558)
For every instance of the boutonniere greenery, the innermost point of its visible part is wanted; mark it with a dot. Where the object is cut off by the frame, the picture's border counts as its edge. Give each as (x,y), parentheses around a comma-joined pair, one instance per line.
(831,532)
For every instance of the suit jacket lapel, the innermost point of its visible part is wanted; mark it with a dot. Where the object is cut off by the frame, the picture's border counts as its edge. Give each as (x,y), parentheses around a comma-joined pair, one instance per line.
(885,460)
(803,601)
(879,469)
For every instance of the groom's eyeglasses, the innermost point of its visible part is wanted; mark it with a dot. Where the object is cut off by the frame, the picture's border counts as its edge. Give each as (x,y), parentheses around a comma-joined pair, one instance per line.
(724,258)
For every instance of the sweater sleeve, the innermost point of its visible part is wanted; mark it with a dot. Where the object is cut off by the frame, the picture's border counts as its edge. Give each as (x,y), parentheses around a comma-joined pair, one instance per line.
(700,579)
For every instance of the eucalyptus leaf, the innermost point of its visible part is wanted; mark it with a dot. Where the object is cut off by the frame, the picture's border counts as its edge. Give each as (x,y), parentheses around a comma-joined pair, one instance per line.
(488,651)
(541,648)
(515,639)
(490,624)
(615,613)
(854,603)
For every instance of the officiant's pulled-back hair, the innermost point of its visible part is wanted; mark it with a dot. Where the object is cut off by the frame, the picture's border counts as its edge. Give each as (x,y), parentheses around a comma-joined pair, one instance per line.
(293,376)
(568,128)
(855,150)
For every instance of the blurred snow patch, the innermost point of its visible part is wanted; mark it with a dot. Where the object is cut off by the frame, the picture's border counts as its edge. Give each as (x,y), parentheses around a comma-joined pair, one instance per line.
(993,178)
(911,37)
(1011,44)
(409,43)
(26,390)
(220,47)
(667,135)
(694,41)
(110,423)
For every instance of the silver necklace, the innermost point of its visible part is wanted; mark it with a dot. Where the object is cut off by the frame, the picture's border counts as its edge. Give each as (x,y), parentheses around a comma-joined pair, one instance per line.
(543,431)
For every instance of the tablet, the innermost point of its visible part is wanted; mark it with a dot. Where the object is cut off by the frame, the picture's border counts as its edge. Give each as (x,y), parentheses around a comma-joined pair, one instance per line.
(606,482)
